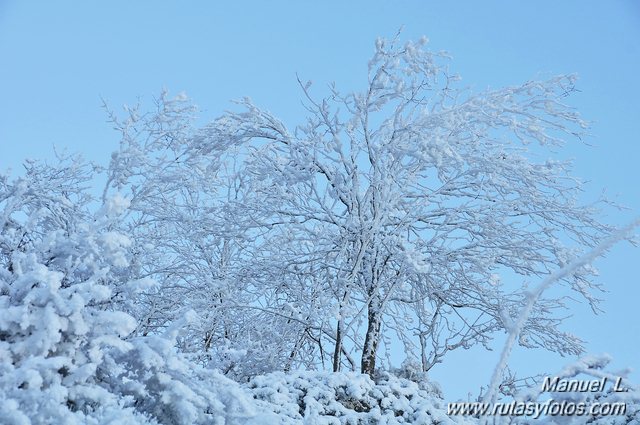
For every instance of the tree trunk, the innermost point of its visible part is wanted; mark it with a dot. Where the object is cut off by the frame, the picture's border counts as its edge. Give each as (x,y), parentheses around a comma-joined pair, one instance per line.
(337,352)
(372,338)
(338,348)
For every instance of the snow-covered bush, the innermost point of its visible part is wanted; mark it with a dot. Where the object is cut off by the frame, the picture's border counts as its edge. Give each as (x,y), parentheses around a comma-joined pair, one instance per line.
(350,398)
(56,330)
(65,356)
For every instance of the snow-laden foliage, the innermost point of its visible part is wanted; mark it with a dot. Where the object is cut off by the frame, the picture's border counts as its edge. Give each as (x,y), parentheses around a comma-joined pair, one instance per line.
(406,396)
(350,399)
(65,355)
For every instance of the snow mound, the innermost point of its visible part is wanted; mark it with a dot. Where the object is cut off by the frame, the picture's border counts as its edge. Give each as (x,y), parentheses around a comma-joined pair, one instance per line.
(349,398)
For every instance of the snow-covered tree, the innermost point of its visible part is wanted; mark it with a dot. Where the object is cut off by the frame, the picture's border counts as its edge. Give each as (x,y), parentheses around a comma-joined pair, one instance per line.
(189,235)
(411,209)
(411,204)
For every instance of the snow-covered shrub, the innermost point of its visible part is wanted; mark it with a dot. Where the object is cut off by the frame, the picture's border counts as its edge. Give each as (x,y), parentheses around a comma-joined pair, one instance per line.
(350,398)
(56,329)
(165,385)
(65,352)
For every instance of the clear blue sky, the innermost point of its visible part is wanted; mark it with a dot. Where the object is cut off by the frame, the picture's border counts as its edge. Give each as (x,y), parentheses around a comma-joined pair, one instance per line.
(57,59)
